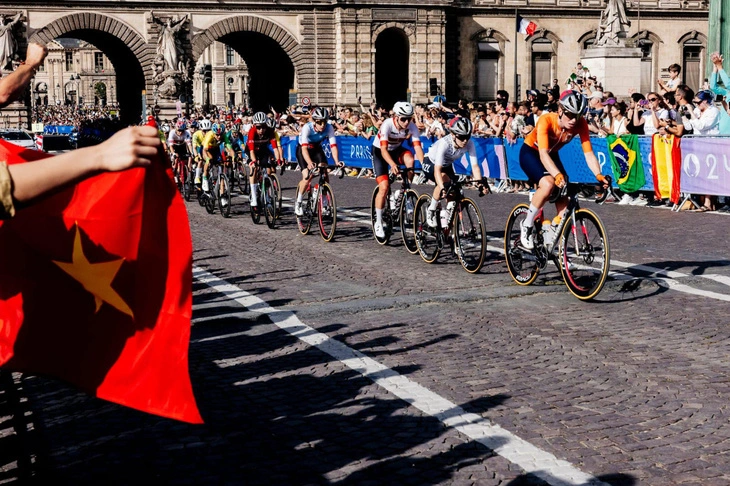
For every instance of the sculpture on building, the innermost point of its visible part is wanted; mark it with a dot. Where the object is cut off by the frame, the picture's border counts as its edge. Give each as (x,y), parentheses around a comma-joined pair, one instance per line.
(170,67)
(613,25)
(8,43)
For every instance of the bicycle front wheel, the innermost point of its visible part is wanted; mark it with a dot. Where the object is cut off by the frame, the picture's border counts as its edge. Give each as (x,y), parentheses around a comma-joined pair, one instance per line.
(224,196)
(470,236)
(327,210)
(522,264)
(304,222)
(277,189)
(187,185)
(385,219)
(584,255)
(242,178)
(268,196)
(256,210)
(407,213)
(427,240)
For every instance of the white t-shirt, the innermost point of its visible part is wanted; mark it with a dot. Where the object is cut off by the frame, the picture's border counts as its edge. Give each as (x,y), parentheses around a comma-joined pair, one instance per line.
(649,128)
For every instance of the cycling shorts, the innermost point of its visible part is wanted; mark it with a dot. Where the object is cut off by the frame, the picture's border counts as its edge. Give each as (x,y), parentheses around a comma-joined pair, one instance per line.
(316,153)
(264,158)
(532,165)
(380,166)
(215,153)
(428,170)
(180,149)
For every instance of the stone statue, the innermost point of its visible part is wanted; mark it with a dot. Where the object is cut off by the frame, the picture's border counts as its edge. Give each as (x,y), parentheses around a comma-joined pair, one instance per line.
(613,25)
(8,44)
(168,44)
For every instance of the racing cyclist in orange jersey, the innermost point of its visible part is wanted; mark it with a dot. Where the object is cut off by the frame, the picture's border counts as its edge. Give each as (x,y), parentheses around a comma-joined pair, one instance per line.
(257,147)
(310,152)
(540,160)
(388,151)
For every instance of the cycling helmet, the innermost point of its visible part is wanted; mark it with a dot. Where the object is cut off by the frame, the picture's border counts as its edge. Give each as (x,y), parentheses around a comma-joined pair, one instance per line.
(573,102)
(217,128)
(236,127)
(403,108)
(194,124)
(165,128)
(205,124)
(320,113)
(259,118)
(461,126)
(181,124)
(270,122)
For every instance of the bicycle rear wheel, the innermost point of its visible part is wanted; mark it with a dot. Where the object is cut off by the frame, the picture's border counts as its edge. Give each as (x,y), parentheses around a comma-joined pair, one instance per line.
(327,210)
(522,264)
(277,189)
(256,210)
(407,213)
(187,185)
(224,196)
(268,196)
(304,222)
(427,240)
(385,218)
(470,236)
(584,255)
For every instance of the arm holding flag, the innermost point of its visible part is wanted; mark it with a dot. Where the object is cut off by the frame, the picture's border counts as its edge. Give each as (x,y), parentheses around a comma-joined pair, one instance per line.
(13,85)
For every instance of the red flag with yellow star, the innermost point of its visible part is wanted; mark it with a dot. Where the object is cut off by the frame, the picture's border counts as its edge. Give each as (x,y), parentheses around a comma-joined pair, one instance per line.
(96,289)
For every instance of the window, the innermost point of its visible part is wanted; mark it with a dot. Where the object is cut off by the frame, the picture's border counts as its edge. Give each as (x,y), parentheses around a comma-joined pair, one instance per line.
(229,56)
(98,61)
(542,54)
(487,69)
(647,78)
(691,56)
(42,67)
(69,61)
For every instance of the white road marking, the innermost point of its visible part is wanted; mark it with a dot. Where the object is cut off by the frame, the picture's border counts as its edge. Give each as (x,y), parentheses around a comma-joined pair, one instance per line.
(531,459)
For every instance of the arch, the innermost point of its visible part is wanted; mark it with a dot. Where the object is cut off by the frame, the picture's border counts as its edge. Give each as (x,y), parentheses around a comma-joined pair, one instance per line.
(250,23)
(650,67)
(486,89)
(123,46)
(540,57)
(587,38)
(692,48)
(407,29)
(392,61)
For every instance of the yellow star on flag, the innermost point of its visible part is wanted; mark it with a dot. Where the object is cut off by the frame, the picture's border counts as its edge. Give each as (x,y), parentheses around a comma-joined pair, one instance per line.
(96,278)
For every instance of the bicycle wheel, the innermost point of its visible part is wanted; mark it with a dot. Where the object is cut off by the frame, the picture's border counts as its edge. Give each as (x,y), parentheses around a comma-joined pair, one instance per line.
(242,178)
(304,222)
(584,254)
(224,196)
(268,196)
(386,219)
(187,185)
(277,189)
(407,212)
(522,264)
(470,237)
(427,240)
(256,210)
(327,210)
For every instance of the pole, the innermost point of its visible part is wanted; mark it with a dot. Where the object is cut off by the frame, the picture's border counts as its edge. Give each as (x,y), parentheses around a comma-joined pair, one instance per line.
(517,94)
(144,105)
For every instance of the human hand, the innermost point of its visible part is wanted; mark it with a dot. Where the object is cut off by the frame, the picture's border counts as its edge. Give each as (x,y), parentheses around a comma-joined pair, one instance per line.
(35,55)
(602,179)
(132,147)
(560,180)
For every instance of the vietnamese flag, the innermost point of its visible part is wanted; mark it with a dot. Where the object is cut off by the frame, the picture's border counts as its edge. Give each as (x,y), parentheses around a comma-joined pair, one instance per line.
(96,289)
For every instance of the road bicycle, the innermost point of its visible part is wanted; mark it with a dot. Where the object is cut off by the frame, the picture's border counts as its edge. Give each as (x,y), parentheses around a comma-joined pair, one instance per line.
(399,209)
(461,226)
(219,191)
(240,174)
(578,245)
(318,199)
(269,198)
(182,175)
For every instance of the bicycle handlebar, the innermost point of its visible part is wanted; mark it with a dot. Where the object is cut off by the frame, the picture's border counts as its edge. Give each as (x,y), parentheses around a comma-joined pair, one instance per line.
(599,200)
(555,195)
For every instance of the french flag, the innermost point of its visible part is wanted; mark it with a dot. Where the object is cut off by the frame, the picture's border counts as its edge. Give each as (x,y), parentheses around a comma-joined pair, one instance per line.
(526,27)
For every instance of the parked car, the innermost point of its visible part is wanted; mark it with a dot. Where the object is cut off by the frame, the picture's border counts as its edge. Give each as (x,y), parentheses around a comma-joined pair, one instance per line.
(18,137)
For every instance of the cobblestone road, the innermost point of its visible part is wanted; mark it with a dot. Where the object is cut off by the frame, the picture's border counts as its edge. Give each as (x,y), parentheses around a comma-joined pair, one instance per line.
(629,389)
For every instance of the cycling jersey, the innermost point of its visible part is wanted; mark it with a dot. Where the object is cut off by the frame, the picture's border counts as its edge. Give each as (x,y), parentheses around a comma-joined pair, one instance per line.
(548,134)
(443,153)
(256,143)
(197,140)
(309,137)
(175,138)
(234,142)
(211,141)
(389,137)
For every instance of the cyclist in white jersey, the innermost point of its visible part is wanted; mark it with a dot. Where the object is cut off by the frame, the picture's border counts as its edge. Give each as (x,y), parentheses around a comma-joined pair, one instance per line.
(310,152)
(438,166)
(388,151)
(179,140)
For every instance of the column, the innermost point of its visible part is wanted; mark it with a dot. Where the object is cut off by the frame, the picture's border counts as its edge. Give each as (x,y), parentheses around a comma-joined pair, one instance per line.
(718,38)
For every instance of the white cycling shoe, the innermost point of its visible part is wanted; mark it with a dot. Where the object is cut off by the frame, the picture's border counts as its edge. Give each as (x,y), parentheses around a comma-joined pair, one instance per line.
(526,237)
(379,231)
(298,209)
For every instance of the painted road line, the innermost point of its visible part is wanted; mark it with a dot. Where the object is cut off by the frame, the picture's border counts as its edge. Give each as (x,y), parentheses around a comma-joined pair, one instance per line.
(531,459)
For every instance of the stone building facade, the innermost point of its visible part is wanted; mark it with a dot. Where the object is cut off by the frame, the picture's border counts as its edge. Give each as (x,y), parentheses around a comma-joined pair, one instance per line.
(341,51)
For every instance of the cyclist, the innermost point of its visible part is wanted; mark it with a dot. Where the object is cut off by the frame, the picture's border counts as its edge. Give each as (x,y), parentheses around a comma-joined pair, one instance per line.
(388,150)
(197,142)
(179,141)
(234,142)
(278,150)
(211,151)
(257,147)
(310,151)
(438,164)
(540,160)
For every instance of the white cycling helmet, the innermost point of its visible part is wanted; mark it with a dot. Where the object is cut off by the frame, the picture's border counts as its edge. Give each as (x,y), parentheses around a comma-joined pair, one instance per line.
(573,102)
(259,118)
(270,122)
(165,128)
(403,108)
(204,124)
(320,113)
(461,126)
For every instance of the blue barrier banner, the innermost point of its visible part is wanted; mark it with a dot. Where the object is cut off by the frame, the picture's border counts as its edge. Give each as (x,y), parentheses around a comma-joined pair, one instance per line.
(512,150)
(58,129)
(705,166)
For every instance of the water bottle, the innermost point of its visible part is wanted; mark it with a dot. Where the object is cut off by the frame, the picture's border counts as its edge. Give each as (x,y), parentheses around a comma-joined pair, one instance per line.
(409,207)
(444,218)
(315,192)
(398,197)
(391,202)
(548,231)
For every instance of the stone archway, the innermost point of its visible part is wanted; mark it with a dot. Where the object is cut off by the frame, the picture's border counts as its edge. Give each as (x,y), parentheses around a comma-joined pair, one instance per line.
(126,48)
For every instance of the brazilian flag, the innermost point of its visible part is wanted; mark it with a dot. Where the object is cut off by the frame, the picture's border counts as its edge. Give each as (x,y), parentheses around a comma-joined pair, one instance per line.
(626,162)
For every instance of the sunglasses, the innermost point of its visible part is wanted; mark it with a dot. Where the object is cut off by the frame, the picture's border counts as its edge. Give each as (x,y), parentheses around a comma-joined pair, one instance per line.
(570,116)
(653,99)
(405,118)
(463,138)
(260,127)
(319,122)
